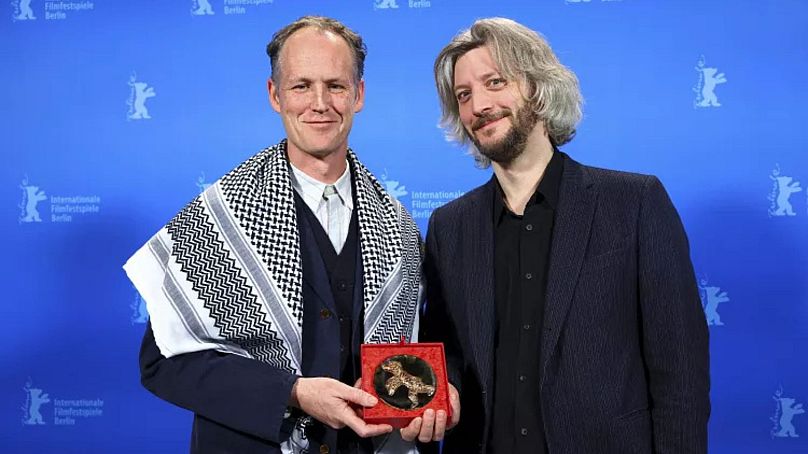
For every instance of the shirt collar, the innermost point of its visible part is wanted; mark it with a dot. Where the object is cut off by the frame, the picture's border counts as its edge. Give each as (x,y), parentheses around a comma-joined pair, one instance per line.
(547,189)
(312,189)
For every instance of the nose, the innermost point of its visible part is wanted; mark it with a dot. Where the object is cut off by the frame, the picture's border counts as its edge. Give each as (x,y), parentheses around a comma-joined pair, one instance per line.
(321,99)
(481,103)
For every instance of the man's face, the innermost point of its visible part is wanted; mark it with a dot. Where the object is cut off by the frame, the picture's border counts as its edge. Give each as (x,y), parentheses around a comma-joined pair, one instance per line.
(316,92)
(492,108)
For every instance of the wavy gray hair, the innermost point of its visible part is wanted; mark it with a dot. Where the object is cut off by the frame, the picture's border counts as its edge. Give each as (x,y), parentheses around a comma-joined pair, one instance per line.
(523,55)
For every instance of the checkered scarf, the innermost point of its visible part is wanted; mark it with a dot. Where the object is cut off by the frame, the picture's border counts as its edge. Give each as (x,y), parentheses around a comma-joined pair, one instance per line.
(226,274)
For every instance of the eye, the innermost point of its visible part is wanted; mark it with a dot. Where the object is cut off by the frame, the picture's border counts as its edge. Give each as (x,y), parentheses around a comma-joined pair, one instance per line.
(300,87)
(337,88)
(462,96)
(496,82)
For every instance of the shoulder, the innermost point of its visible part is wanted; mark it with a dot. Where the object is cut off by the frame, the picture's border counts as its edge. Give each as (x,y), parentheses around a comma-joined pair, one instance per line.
(617,185)
(254,169)
(609,178)
(465,205)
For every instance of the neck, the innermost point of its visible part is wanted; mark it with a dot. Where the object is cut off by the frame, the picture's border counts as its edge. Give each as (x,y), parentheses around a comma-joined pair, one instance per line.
(325,169)
(520,177)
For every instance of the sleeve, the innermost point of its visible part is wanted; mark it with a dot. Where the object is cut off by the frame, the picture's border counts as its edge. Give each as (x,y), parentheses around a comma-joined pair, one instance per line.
(241,393)
(674,330)
(436,323)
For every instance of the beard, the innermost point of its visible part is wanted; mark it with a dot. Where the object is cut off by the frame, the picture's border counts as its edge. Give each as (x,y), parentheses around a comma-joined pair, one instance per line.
(510,147)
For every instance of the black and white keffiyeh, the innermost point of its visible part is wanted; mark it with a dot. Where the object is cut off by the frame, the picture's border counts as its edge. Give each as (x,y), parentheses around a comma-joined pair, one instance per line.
(225,273)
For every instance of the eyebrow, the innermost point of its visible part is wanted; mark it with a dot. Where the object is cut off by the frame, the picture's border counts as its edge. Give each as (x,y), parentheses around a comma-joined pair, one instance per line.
(485,76)
(328,81)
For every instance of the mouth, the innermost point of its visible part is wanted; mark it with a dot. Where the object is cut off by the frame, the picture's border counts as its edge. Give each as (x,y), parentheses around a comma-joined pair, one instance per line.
(485,122)
(320,124)
(488,123)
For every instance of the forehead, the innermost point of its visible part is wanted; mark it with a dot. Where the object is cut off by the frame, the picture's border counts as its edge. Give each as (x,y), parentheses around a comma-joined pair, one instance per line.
(314,53)
(474,65)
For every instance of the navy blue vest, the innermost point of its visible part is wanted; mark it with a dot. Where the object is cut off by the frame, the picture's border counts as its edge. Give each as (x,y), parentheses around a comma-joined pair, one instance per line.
(341,271)
(332,317)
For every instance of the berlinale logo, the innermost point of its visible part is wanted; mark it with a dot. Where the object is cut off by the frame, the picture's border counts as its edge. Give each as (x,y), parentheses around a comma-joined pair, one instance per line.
(22,10)
(782,188)
(139,92)
(709,78)
(201,8)
(711,297)
(35,398)
(393,187)
(783,419)
(31,196)
(385,4)
(140,314)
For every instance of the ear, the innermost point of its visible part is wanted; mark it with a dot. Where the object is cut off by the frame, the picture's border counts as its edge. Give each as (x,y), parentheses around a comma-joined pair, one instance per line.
(274,100)
(360,96)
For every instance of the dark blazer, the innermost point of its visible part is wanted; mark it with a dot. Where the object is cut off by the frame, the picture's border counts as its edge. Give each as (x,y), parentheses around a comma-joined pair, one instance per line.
(624,348)
(239,403)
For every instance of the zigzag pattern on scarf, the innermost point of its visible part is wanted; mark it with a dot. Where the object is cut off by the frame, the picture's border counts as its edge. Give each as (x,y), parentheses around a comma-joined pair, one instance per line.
(222,289)
(259,194)
(380,240)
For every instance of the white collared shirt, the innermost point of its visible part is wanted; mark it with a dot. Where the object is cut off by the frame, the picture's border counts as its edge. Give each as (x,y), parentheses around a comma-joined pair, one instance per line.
(311,190)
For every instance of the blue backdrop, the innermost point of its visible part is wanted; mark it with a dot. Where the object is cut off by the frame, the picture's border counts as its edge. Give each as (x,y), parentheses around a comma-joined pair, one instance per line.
(116,113)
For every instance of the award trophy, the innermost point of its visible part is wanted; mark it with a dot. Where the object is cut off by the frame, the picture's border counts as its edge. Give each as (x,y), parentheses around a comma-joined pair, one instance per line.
(407,379)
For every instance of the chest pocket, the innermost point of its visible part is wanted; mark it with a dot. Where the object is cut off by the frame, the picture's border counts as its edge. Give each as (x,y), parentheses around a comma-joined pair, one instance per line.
(607,259)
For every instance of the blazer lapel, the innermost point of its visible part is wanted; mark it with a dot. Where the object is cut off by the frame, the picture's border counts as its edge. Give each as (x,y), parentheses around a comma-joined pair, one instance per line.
(573,220)
(479,240)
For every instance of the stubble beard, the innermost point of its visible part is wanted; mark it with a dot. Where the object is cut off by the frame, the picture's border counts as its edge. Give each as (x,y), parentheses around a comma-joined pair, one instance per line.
(510,147)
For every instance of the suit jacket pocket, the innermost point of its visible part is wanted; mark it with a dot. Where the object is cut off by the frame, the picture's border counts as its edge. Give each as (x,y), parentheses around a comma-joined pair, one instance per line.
(605,260)
(632,415)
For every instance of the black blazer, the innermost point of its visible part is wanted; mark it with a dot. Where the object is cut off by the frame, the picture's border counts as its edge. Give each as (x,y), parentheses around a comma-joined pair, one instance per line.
(624,348)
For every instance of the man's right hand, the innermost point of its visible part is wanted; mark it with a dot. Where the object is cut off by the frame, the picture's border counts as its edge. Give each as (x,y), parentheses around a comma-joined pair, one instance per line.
(433,425)
(330,402)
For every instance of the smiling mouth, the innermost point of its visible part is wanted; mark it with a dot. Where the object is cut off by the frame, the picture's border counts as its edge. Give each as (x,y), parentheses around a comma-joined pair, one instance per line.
(320,125)
(483,122)
(488,123)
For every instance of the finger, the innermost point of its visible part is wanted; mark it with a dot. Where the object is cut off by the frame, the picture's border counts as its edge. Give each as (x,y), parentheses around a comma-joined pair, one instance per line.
(411,431)
(374,430)
(425,435)
(455,418)
(357,396)
(363,429)
(454,400)
(358,383)
(440,425)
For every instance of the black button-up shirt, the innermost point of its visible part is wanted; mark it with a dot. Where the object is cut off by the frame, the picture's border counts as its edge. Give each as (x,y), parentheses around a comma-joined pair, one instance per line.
(521,257)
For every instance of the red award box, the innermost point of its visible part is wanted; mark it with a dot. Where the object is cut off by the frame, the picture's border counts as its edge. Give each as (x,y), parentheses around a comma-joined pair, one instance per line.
(408,379)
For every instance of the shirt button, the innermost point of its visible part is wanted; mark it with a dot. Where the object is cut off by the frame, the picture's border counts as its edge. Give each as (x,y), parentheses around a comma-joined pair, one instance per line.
(529,227)
(528,276)
(523,431)
(325,314)
(522,378)
(342,349)
(342,286)
(323,449)
(526,327)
